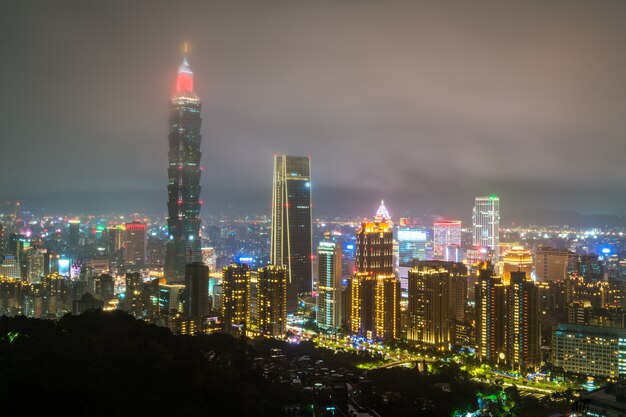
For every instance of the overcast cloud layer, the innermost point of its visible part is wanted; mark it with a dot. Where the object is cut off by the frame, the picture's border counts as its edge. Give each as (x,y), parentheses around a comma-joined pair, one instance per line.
(425,105)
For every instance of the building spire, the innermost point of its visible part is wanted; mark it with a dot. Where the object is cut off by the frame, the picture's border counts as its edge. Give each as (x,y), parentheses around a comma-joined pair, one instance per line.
(184,80)
(382,213)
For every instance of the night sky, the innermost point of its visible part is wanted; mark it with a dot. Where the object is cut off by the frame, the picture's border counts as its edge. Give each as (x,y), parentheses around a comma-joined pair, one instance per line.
(423,105)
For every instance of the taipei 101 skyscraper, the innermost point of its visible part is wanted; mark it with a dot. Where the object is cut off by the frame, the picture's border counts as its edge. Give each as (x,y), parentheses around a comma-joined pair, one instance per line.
(183,188)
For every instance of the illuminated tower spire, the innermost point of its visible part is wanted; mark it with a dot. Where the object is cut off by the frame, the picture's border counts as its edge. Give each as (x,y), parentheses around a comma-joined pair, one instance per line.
(184,80)
(382,213)
(184,172)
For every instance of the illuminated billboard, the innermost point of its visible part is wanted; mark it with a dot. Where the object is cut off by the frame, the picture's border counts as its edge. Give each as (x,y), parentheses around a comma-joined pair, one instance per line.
(412,235)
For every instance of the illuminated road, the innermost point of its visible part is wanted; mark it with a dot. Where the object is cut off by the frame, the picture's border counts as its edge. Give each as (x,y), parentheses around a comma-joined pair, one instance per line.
(391,358)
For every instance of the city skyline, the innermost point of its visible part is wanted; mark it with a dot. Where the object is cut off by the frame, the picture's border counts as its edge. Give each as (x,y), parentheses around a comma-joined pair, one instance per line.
(149,230)
(561,125)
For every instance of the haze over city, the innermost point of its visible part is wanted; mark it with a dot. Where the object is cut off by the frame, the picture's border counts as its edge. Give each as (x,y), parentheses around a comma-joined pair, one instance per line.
(423,105)
(313,209)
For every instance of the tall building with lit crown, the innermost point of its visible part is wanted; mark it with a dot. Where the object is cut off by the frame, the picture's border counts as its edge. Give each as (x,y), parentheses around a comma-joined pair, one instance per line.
(291,224)
(183,189)
(374,245)
(135,243)
(490,317)
(271,297)
(523,336)
(329,285)
(374,289)
(486,224)
(235,297)
(517,259)
(446,234)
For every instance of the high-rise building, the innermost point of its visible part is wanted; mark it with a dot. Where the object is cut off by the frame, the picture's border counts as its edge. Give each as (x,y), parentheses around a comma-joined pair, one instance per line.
(486,224)
(196,290)
(35,265)
(412,241)
(362,290)
(446,234)
(135,243)
(523,336)
(50,262)
(291,224)
(374,248)
(374,289)
(209,257)
(183,189)
(235,297)
(271,296)
(133,297)
(329,285)
(551,264)
(587,266)
(490,317)
(155,251)
(252,325)
(387,307)
(429,306)
(580,312)
(516,259)
(115,241)
(590,350)
(170,297)
(74,233)
(104,287)
(10,267)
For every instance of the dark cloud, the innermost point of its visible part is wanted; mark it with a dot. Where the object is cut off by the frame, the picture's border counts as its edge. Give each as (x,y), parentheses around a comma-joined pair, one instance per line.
(425,105)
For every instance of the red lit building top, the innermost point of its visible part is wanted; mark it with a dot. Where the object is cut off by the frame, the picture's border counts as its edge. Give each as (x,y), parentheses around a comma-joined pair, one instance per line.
(136,225)
(184,82)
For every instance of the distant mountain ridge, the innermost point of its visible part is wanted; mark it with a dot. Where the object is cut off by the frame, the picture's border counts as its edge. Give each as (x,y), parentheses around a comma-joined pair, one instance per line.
(561,218)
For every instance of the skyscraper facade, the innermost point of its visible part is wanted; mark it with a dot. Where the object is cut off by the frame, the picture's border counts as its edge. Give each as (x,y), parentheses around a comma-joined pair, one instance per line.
(387,307)
(551,264)
(183,189)
(429,306)
(515,260)
(291,224)
(604,350)
(486,224)
(74,233)
(412,241)
(374,248)
(362,291)
(490,317)
(115,241)
(271,294)
(446,233)
(329,285)
(135,244)
(197,302)
(235,297)
(523,322)
(374,289)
